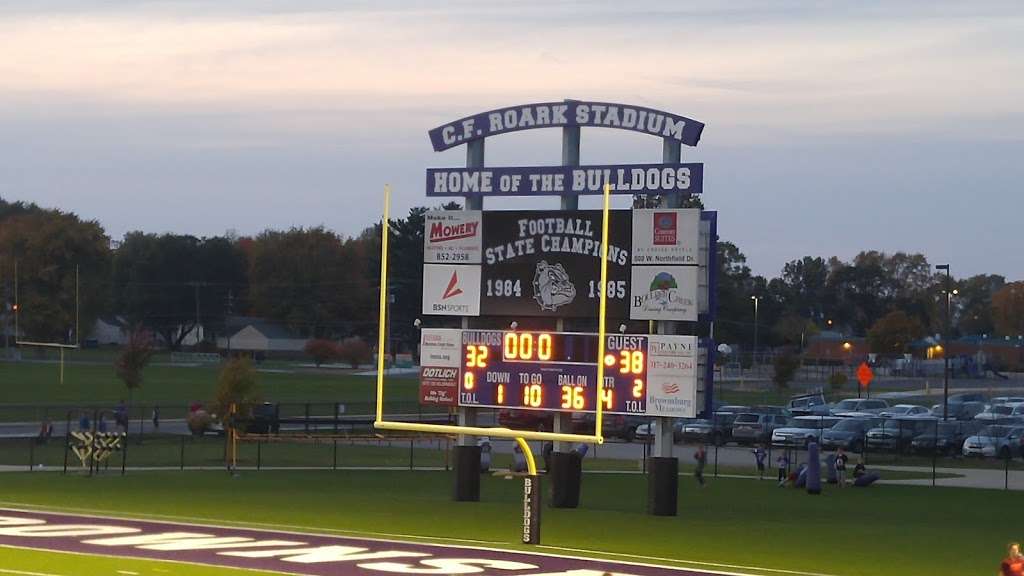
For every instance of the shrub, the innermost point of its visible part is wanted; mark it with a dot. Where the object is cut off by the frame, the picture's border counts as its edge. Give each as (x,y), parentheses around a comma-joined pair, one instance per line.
(785,364)
(837,381)
(322,351)
(354,351)
(236,385)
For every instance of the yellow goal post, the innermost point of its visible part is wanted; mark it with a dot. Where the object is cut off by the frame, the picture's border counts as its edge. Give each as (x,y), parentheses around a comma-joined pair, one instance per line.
(519,435)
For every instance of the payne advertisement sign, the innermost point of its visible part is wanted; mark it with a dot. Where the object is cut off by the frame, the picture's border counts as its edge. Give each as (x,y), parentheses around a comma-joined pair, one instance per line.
(663,293)
(543,263)
(452,237)
(666,236)
(451,290)
(672,376)
(440,362)
(562,180)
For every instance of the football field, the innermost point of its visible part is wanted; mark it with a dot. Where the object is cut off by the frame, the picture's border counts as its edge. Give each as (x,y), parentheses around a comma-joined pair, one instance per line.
(733,526)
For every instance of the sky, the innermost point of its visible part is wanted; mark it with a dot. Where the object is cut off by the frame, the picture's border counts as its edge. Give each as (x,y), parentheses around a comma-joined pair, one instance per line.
(831,128)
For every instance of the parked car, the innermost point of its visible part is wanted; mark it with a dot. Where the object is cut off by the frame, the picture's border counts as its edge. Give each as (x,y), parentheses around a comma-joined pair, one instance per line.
(622,426)
(809,405)
(995,440)
(698,430)
(852,407)
(721,429)
(645,431)
(967,397)
(773,410)
(960,410)
(897,433)
(995,412)
(751,428)
(848,434)
(947,438)
(1008,400)
(904,410)
(802,430)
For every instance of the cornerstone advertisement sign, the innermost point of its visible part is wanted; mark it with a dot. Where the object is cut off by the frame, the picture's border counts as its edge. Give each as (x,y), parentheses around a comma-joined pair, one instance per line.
(561,180)
(568,113)
(440,356)
(452,237)
(666,237)
(538,263)
(672,376)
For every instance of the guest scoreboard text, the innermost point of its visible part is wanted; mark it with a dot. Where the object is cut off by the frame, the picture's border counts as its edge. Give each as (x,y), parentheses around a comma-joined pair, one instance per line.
(654,375)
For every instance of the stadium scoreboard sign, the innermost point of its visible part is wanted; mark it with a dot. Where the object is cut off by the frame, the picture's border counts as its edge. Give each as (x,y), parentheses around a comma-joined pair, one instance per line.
(648,375)
(532,263)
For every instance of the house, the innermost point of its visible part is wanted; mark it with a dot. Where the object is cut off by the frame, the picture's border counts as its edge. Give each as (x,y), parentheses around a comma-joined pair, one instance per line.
(110,330)
(260,335)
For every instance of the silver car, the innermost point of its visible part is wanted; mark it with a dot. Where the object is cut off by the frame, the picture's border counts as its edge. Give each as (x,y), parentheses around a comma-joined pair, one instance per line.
(995,440)
(802,430)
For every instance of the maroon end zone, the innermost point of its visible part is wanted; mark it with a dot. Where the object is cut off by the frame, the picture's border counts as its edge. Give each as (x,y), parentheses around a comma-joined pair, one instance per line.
(291,552)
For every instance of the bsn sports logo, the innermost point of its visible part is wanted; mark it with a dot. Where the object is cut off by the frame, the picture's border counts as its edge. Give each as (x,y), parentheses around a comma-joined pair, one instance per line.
(665,227)
(452,289)
(441,232)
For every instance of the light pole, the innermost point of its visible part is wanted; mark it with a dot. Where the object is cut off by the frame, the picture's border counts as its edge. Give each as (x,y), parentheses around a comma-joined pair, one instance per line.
(945,347)
(754,358)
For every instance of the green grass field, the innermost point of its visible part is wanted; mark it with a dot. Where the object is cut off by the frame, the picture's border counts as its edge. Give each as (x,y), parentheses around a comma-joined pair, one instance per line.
(26,388)
(882,530)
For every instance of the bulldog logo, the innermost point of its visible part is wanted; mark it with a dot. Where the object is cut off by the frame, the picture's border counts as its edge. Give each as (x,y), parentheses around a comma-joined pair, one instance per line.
(551,286)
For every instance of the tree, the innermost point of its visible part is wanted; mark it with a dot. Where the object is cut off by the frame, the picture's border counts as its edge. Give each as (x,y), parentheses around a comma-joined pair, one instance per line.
(354,351)
(134,357)
(973,304)
(49,246)
(321,351)
(794,330)
(164,282)
(311,280)
(893,333)
(1008,309)
(236,385)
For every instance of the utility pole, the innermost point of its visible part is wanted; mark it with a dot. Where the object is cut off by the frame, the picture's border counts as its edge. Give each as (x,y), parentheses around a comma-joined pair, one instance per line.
(945,347)
(753,359)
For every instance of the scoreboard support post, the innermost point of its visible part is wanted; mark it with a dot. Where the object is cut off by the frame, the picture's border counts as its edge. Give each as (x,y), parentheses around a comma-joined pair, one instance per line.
(663,472)
(467,452)
(566,468)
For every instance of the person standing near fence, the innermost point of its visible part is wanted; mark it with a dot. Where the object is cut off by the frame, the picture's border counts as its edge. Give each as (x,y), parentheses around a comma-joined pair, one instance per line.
(701,456)
(156,417)
(759,456)
(782,463)
(841,460)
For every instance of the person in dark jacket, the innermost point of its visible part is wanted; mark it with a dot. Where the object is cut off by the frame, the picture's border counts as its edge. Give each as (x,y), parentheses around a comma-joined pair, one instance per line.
(702,458)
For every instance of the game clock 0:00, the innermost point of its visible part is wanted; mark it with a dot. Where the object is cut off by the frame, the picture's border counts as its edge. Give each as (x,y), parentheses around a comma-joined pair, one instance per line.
(552,371)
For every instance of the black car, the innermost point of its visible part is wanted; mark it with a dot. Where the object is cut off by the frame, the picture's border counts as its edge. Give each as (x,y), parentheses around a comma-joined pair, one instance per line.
(947,438)
(848,434)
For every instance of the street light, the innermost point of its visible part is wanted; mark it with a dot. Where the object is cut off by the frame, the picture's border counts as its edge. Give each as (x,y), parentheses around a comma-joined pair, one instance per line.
(755,299)
(945,347)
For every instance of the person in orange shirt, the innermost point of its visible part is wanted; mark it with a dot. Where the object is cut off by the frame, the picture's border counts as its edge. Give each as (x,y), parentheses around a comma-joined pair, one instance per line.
(1013,565)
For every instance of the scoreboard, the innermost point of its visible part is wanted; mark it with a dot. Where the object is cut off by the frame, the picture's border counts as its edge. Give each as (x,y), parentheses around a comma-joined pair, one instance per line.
(653,375)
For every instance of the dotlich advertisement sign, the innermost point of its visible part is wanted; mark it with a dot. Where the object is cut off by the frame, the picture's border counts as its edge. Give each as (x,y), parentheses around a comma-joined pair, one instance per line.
(440,355)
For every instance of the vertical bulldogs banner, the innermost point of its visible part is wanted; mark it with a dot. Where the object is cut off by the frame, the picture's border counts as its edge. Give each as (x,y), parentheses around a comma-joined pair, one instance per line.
(538,263)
